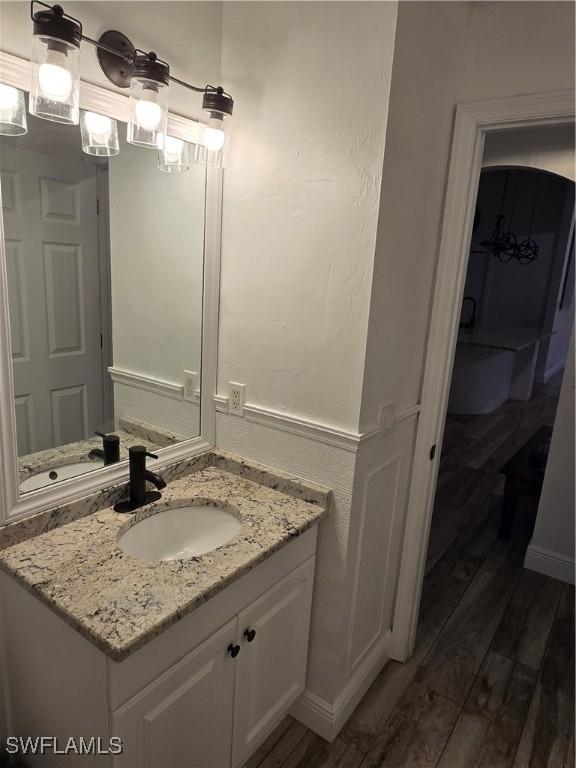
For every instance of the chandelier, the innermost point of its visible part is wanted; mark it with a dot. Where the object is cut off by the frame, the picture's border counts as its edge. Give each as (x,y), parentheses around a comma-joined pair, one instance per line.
(503,244)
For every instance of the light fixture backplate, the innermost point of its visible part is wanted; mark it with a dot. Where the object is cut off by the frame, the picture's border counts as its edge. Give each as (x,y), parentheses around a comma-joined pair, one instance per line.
(117,69)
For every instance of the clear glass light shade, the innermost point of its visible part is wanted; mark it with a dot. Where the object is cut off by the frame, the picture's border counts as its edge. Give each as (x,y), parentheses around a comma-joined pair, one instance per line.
(174,158)
(148,113)
(215,140)
(99,134)
(12,111)
(55,80)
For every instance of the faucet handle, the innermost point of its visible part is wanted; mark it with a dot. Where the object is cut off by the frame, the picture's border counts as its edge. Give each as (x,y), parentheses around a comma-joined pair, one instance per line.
(141,450)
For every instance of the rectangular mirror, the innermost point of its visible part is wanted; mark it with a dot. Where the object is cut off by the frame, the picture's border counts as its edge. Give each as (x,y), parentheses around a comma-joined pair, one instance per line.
(105,262)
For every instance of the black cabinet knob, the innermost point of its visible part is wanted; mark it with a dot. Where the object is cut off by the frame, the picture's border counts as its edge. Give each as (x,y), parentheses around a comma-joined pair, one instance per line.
(233,650)
(249,634)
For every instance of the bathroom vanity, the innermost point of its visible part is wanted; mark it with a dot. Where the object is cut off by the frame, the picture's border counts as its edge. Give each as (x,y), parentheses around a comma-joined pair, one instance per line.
(191,662)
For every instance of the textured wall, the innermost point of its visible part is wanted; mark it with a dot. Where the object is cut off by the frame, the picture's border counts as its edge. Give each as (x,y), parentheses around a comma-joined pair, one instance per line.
(301,200)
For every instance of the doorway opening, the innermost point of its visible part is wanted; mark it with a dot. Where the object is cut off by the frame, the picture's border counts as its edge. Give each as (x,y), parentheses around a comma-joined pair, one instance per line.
(496,620)
(513,341)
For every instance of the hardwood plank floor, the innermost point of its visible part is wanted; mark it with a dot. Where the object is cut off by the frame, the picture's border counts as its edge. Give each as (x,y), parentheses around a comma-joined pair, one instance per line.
(491,682)
(416,732)
(524,629)
(490,724)
(453,663)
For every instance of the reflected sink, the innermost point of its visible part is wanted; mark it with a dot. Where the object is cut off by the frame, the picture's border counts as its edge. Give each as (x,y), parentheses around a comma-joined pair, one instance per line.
(180,533)
(55,474)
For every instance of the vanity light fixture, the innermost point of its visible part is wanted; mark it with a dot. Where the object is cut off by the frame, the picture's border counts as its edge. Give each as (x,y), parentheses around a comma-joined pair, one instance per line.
(148,101)
(99,134)
(174,158)
(12,111)
(216,135)
(56,81)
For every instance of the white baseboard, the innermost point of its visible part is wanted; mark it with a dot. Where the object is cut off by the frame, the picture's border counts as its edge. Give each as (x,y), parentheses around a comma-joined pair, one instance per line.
(550,564)
(327,719)
(553,370)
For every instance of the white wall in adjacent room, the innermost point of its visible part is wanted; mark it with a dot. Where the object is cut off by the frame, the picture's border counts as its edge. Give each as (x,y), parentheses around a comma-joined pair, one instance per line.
(551,550)
(547,148)
(511,294)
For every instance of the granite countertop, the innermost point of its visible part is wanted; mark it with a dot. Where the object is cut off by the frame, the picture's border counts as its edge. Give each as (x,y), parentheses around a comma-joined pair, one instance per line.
(119,602)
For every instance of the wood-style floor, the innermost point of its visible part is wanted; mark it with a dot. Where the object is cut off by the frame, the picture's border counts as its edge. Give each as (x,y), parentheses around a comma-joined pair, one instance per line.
(491,683)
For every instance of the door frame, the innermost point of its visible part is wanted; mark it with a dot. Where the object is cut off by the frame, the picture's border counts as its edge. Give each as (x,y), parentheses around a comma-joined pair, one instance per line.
(103,213)
(471,124)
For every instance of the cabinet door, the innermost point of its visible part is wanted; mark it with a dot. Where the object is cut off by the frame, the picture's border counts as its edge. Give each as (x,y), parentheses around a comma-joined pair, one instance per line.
(271,667)
(184,718)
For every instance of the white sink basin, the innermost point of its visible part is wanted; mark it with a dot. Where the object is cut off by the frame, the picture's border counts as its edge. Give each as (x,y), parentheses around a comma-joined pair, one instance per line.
(54,475)
(180,533)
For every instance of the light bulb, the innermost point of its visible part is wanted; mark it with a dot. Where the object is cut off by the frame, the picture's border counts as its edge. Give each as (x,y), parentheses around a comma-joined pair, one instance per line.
(8,97)
(174,158)
(213,138)
(99,125)
(55,82)
(148,114)
(173,146)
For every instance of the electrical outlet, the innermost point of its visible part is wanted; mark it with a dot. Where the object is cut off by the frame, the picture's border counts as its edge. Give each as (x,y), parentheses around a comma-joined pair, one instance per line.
(387,415)
(191,386)
(236,398)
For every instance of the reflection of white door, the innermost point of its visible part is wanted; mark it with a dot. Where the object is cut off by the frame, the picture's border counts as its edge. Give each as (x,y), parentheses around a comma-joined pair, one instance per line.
(51,231)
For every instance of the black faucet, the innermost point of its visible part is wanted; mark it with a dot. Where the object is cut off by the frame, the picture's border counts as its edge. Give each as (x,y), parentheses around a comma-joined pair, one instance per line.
(139,496)
(110,451)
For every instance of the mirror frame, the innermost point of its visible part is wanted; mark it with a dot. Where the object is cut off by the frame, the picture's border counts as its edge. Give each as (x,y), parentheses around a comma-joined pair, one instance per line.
(16,71)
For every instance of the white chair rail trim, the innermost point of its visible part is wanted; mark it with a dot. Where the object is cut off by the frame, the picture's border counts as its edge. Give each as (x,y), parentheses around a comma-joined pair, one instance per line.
(147,383)
(322,433)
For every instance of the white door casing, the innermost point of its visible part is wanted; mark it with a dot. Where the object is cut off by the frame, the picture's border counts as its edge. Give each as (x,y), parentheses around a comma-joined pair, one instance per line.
(50,221)
(472,122)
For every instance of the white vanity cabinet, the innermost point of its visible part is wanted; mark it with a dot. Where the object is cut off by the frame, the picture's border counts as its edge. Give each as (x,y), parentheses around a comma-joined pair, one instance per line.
(271,669)
(213,709)
(185,716)
(204,693)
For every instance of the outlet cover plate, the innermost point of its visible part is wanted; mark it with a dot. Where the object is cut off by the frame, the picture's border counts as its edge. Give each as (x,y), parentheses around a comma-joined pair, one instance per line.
(236,398)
